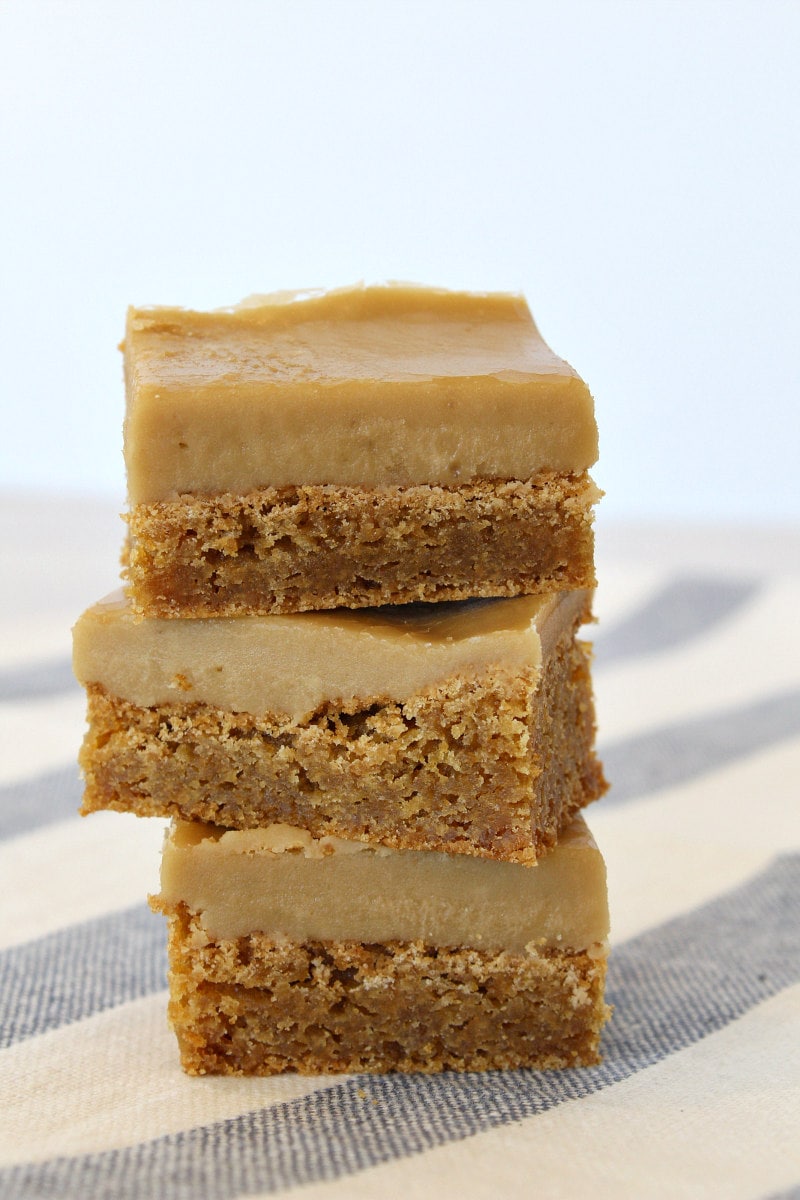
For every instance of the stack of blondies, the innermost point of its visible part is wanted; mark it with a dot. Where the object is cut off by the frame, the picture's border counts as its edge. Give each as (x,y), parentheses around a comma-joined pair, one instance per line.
(346,663)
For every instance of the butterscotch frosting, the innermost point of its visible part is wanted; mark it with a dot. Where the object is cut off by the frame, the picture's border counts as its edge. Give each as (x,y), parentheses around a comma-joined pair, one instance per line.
(283,882)
(291,664)
(368,386)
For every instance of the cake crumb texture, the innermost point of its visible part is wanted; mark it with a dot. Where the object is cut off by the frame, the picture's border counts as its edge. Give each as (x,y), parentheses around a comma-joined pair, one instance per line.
(259,1006)
(492,766)
(294,549)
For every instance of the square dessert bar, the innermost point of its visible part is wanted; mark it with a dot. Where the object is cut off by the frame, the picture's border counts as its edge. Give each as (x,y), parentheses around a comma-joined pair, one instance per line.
(466,726)
(289,953)
(362,447)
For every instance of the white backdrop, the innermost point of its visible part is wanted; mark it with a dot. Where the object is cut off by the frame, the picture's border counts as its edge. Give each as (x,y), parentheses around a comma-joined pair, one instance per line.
(632,167)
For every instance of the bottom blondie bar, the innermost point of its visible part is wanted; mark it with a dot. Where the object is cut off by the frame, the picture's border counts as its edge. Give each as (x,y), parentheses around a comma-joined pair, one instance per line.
(290,953)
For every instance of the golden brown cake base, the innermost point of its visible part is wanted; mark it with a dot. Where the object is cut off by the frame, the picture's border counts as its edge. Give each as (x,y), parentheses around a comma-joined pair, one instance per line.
(292,549)
(489,766)
(254,1006)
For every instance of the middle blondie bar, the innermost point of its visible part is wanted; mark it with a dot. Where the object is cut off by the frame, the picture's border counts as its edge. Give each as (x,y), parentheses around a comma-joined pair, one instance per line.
(466,727)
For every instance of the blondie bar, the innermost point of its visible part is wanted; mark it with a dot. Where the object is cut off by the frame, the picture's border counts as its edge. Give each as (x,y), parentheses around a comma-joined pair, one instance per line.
(361,447)
(289,953)
(465,726)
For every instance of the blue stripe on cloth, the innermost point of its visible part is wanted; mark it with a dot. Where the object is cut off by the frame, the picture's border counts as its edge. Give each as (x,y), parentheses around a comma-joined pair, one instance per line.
(49,678)
(671,987)
(683,610)
(80,971)
(32,803)
(675,754)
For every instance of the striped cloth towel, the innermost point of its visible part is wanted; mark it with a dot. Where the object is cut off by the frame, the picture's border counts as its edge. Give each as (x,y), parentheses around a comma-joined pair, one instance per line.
(698,685)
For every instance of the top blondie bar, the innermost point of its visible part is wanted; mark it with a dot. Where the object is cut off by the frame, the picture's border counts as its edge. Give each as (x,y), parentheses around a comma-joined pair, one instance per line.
(358,447)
